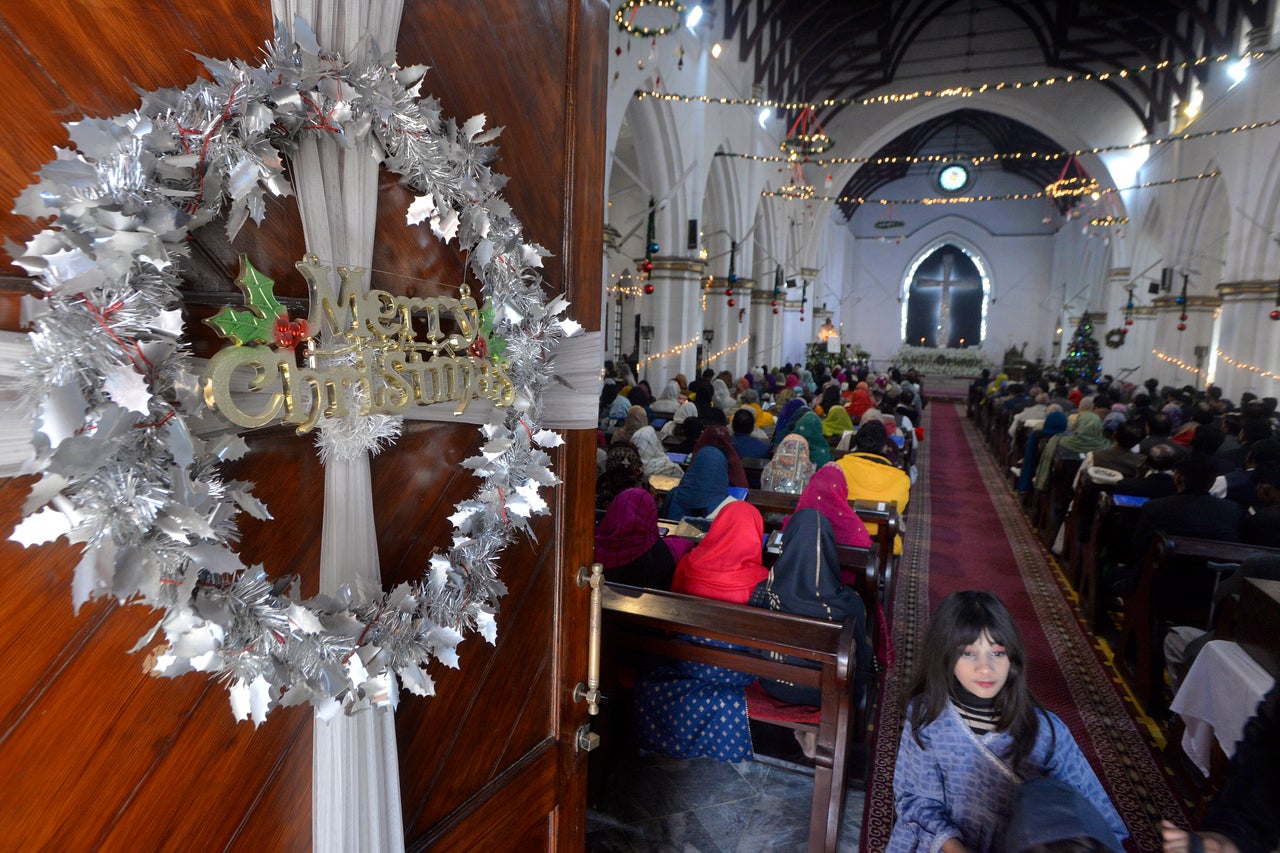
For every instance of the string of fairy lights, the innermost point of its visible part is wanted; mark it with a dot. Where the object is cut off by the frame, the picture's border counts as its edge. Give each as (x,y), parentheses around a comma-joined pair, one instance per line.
(979,159)
(975,199)
(675,350)
(1251,368)
(726,350)
(1175,361)
(958,91)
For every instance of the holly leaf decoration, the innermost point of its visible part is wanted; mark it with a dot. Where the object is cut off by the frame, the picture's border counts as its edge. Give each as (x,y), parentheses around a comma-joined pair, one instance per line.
(496,345)
(257,325)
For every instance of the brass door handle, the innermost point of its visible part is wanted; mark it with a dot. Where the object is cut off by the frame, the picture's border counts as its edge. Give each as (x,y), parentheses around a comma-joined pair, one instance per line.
(590,690)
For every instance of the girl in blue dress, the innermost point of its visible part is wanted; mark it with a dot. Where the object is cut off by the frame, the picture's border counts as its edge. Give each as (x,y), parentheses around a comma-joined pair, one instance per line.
(974,732)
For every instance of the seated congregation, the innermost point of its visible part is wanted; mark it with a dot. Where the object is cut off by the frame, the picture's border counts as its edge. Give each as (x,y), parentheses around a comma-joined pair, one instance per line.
(734,523)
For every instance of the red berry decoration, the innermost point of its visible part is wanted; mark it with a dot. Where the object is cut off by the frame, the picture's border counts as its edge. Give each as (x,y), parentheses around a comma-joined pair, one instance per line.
(648,288)
(479,348)
(289,333)
(1182,327)
(1275,315)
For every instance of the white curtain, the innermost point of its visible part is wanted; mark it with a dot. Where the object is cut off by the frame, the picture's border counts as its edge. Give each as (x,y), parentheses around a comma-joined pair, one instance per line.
(355,796)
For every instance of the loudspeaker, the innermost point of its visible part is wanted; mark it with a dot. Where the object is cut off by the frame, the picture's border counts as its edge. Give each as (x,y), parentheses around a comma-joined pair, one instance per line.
(691,242)
(1166,279)
(1153,287)
(791,282)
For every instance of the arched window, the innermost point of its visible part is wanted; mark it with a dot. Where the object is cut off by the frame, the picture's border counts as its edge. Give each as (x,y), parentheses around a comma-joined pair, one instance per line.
(945,303)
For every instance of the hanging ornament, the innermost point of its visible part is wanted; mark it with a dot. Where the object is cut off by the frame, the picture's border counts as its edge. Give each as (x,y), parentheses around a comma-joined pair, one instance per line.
(648,288)
(1275,314)
(732,303)
(1182,317)
(773,303)
(646,266)
(1128,321)
(1182,327)
(806,138)
(775,310)
(654,248)
(728,291)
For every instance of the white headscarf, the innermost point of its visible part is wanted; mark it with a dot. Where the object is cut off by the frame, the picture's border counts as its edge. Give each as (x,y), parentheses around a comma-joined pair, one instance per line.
(656,462)
(720,395)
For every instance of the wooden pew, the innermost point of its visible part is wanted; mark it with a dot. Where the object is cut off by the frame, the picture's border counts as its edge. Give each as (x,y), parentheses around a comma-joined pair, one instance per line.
(1175,588)
(1108,517)
(651,622)
(882,514)
(1051,505)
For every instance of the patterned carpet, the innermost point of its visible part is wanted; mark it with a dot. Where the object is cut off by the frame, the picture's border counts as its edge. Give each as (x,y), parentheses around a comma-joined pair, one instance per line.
(966,531)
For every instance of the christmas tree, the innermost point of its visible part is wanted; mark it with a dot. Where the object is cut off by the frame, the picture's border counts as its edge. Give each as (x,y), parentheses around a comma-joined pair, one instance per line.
(1083,359)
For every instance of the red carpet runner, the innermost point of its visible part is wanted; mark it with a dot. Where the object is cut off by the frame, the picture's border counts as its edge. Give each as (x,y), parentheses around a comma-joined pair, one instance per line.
(965,531)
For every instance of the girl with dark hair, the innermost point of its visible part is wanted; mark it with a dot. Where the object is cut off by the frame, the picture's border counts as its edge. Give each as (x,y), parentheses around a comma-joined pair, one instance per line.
(973,732)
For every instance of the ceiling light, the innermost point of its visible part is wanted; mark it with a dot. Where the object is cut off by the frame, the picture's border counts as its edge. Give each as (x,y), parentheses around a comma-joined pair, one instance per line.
(1192,108)
(765,115)
(1238,69)
(695,15)
(715,50)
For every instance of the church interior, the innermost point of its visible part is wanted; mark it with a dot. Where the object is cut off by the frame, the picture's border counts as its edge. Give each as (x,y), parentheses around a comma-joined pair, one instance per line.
(339,340)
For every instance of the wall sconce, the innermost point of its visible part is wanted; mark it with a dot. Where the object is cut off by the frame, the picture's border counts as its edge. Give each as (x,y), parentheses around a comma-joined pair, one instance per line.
(708,335)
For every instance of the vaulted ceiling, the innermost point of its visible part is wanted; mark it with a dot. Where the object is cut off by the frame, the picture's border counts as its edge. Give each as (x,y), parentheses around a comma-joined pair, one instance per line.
(810,51)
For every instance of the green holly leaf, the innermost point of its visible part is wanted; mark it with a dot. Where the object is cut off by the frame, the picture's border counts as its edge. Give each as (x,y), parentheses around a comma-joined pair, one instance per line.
(242,327)
(497,346)
(258,323)
(486,320)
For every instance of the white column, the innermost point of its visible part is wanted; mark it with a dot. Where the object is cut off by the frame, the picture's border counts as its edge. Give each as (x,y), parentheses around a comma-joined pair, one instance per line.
(1249,340)
(675,312)
(1177,349)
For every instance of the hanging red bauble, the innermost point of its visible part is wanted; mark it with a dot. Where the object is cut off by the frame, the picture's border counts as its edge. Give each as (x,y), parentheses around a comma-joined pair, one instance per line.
(732,303)
(774,304)
(648,288)
(646,265)
(1129,322)
(775,310)
(1275,315)
(1182,317)
(1182,327)
(1124,331)
(728,291)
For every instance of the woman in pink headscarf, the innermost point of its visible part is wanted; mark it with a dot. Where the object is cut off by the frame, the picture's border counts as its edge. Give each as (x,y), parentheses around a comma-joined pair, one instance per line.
(828,493)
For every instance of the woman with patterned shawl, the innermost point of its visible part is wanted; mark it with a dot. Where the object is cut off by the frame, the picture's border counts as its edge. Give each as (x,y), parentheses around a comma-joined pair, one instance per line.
(790,469)
(693,709)
(652,456)
(628,543)
(703,487)
(623,469)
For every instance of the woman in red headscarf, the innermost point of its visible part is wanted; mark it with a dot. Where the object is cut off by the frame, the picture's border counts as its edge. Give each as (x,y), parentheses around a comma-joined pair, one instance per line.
(725,565)
(860,403)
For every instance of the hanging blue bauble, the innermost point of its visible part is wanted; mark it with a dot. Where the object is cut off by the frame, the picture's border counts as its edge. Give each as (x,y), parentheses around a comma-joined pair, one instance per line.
(733,278)
(653,248)
(1181,300)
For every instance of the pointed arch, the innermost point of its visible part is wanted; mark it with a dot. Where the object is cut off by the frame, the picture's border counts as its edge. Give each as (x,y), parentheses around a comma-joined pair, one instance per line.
(970,251)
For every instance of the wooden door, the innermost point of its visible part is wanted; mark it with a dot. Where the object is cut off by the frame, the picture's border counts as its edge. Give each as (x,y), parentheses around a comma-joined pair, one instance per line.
(97,755)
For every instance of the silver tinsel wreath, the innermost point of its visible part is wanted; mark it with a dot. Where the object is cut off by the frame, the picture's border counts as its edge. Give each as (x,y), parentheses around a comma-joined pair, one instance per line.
(130,457)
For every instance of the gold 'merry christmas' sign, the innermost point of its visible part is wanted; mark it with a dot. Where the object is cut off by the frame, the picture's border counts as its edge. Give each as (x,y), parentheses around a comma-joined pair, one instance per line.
(359,346)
